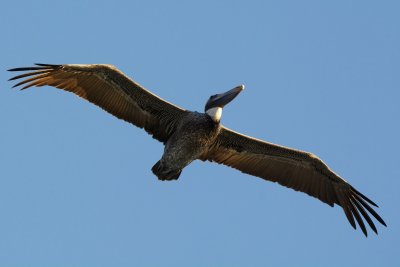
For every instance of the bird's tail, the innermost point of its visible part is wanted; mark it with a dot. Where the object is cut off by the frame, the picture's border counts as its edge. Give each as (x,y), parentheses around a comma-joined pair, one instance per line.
(164,173)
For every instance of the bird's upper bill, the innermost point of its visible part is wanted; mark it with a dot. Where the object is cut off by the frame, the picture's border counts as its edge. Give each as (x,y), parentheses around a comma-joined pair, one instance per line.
(220,100)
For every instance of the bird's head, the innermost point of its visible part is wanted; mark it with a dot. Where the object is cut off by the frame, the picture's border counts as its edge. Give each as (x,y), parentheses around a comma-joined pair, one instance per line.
(216,102)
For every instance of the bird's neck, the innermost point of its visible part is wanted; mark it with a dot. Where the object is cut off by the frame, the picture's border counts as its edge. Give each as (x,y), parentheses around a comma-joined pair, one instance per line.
(215,113)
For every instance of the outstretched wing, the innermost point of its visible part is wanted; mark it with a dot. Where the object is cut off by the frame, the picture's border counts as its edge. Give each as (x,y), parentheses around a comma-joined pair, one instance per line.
(295,169)
(110,89)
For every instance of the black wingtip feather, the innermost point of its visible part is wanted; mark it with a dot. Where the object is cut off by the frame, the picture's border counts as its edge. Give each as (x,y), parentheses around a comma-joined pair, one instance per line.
(364,197)
(28,74)
(370,210)
(364,214)
(40,66)
(358,218)
(345,203)
(48,65)
(28,68)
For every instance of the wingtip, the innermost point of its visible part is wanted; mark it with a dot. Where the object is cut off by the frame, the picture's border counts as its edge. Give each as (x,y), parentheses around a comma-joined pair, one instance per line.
(364,197)
(38,66)
(14,69)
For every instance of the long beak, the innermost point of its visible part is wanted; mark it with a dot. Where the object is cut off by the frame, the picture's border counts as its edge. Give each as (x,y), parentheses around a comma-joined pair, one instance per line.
(223,99)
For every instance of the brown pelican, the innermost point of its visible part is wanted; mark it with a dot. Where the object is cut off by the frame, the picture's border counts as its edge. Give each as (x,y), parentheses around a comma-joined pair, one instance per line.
(188,135)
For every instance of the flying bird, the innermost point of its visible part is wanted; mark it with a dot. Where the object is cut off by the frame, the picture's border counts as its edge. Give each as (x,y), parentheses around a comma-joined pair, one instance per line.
(188,135)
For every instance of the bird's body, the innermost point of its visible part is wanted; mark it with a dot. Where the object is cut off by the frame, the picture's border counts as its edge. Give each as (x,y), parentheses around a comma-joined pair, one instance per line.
(194,136)
(188,136)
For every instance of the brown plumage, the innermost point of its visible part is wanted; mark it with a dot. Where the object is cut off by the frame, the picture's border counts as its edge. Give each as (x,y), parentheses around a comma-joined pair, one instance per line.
(110,89)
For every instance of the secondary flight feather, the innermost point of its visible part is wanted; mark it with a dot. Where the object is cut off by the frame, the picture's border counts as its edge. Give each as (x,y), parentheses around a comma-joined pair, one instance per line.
(189,135)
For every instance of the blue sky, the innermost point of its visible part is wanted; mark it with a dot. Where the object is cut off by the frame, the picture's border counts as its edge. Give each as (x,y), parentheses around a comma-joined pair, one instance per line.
(75,183)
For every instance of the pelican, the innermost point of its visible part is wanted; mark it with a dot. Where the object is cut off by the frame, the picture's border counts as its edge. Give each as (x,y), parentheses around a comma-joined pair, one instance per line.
(189,135)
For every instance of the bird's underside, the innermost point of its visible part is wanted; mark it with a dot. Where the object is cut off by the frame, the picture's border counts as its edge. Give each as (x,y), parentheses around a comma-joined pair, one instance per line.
(188,136)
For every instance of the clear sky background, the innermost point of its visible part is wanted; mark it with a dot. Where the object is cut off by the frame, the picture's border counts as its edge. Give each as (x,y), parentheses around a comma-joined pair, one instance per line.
(76,187)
